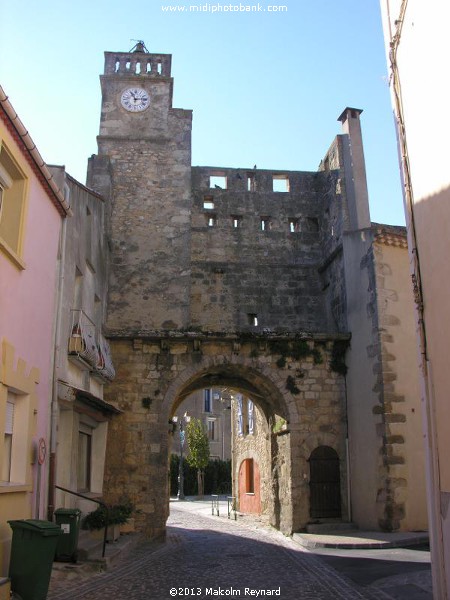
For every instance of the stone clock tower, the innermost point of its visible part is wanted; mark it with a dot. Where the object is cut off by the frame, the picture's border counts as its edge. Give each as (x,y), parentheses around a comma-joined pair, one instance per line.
(143,167)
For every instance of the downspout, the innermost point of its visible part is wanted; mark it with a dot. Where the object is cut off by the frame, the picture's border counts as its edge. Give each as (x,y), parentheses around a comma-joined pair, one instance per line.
(432,454)
(56,364)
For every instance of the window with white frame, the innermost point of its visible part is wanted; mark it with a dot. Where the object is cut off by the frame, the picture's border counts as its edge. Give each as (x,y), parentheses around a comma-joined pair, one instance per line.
(13,186)
(212,429)
(15,440)
(7,440)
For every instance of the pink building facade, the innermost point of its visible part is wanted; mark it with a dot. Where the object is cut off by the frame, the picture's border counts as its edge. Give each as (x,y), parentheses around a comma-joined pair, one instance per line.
(32,212)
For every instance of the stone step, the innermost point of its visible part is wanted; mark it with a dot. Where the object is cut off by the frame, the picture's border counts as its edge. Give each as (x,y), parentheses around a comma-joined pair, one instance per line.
(5,588)
(89,547)
(330,526)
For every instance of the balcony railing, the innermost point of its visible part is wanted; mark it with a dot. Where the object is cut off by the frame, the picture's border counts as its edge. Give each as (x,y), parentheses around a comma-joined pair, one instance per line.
(104,364)
(88,345)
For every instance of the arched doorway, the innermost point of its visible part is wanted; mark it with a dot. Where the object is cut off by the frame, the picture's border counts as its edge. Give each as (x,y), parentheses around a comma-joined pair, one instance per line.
(324,483)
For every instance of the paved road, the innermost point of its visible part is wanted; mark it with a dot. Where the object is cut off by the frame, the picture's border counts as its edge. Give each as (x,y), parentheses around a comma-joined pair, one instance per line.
(207,557)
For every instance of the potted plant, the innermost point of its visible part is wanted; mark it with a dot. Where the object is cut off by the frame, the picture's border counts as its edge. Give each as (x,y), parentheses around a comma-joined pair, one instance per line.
(116,515)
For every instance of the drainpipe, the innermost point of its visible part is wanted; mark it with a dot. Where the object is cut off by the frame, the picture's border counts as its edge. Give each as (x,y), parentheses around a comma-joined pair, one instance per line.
(56,364)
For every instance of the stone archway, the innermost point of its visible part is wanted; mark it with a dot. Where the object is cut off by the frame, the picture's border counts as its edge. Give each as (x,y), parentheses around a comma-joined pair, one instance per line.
(155,375)
(256,383)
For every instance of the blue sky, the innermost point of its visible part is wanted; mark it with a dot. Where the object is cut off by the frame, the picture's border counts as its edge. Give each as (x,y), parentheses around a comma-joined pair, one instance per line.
(266,87)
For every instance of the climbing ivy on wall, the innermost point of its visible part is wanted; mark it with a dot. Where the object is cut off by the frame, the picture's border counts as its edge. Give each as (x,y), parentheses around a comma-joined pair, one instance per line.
(296,350)
(337,362)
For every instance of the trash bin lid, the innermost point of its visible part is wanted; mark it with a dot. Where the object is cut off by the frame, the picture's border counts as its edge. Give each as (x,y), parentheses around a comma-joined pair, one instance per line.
(43,528)
(68,511)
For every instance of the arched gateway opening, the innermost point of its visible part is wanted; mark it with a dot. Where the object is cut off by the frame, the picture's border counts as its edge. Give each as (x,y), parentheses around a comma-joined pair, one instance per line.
(299,399)
(256,388)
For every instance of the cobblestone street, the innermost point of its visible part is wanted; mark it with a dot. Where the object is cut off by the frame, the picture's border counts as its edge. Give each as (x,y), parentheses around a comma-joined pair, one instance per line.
(206,557)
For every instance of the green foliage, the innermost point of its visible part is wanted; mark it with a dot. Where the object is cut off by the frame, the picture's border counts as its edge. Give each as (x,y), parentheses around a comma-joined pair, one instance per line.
(117,515)
(281,362)
(337,362)
(217,477)
(295,349)
(198,444)
(279,425)
(291,386)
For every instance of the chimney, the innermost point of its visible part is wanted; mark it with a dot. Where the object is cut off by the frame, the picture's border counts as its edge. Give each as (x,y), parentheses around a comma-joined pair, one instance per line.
(355,169)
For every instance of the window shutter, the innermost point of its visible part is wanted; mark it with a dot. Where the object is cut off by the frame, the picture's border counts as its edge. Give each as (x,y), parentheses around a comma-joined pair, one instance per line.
(9,425)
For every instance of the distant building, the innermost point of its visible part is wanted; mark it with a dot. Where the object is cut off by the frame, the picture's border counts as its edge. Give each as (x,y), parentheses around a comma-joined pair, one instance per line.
(213,407)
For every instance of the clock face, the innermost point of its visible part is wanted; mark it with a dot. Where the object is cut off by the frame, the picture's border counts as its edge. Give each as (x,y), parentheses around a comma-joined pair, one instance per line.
(135,99)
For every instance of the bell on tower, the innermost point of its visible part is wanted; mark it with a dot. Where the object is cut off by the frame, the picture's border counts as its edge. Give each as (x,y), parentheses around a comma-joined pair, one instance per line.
(139,47)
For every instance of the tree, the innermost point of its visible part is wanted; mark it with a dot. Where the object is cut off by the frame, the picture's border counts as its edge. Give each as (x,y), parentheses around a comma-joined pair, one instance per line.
(198,456)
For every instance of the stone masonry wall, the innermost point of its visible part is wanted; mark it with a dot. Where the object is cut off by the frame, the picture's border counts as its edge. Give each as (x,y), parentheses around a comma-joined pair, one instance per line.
(401,497)
(153,376)
(239,269)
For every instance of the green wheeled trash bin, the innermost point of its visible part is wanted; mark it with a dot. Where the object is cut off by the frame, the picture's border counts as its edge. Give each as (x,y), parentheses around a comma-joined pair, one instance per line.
(32,553)
(68,520)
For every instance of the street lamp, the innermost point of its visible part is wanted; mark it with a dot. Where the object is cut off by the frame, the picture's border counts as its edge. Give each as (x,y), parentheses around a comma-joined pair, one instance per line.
(182,420)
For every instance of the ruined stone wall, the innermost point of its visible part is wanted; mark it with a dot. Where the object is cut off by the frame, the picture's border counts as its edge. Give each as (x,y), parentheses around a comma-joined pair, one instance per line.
(334,223)
(239,269)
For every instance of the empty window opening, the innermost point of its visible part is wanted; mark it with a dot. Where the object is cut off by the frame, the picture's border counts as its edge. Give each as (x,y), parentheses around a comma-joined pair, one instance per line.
(236,221)
(208,202)
(138,68)
(159,67)
(294,225)
(127,66)
(252,319)
(117,67)
(149,67)
(212,220)
(251,182)
(312,224)
(280,183)
(265,224)
(219,182)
